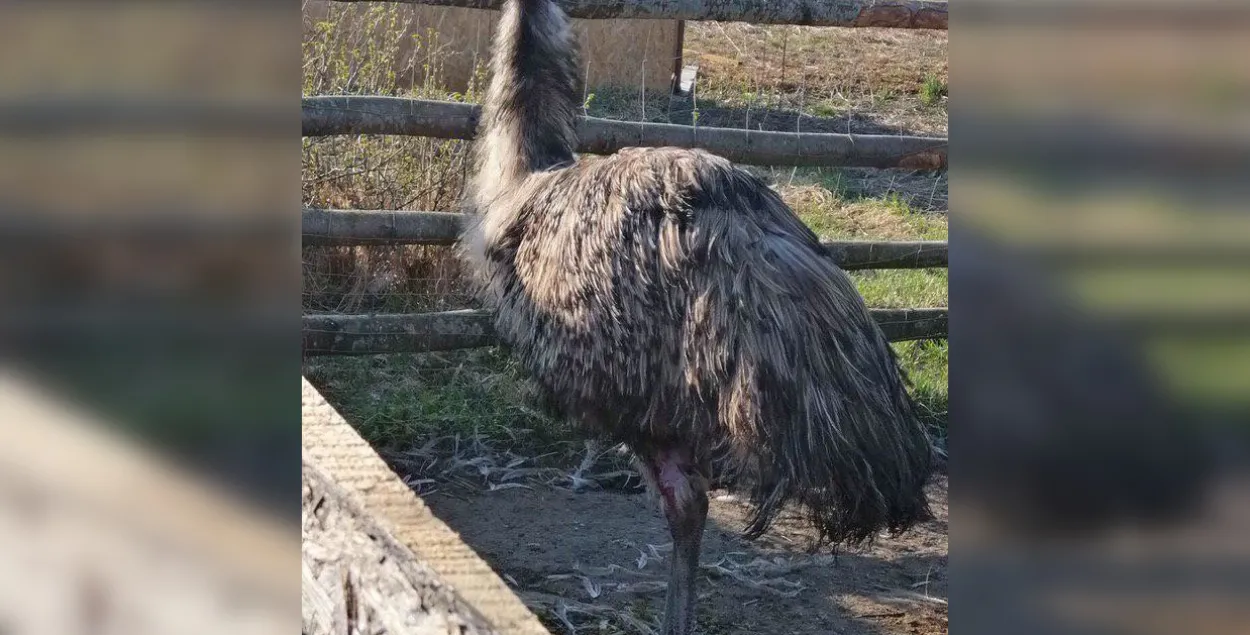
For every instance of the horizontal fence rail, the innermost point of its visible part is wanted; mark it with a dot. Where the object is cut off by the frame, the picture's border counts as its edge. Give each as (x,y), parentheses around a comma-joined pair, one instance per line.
(1102,14)
(899,14)
(343,334)
(337,334)
(27,226)
(351,115)
(348,228)
(69,115)
(1151,147)
(355,227)
(1180,253)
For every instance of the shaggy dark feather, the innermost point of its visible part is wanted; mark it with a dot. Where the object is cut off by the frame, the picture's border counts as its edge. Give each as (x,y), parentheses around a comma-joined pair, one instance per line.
(667,299)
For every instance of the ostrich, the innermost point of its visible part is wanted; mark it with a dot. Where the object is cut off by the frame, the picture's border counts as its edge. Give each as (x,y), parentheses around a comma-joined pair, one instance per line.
(669,300)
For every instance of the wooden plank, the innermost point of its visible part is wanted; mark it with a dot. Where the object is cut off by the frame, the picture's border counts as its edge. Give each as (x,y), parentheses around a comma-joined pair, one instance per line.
(340,465)
(852,255)
(349,115)
(347,228)
(899,14)
(340,334)
(358,578)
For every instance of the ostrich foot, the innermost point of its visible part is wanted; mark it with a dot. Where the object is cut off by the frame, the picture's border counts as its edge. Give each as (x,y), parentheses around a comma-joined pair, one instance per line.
(594,448)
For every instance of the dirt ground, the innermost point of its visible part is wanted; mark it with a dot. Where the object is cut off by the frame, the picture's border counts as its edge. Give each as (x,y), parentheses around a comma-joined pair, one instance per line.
(596,560)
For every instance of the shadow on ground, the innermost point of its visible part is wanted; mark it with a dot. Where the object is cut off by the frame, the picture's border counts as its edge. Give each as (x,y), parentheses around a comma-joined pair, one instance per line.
(604,555)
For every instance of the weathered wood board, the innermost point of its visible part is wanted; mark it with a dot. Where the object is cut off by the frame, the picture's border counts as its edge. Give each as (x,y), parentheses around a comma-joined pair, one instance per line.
(376,559)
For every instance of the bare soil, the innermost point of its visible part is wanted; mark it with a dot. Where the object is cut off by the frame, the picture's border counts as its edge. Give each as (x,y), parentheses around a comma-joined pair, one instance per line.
(596,560)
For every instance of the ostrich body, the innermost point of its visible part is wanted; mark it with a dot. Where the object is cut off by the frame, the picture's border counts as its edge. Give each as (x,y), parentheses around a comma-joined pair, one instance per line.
(671,301)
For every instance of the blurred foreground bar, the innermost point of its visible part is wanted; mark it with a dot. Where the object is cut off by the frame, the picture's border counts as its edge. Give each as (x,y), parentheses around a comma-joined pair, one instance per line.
(1106,14)
(147,250)
(122,114)
(1100,473)
(93,528)
(169,116)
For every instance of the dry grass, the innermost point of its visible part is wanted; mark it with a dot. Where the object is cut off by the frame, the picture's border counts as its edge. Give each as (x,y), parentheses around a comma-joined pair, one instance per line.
(877,75)
(768,577)
(888,218)
(355,52)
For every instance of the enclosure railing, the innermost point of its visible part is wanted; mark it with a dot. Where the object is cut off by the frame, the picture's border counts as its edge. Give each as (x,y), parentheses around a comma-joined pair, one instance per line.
(340,334)
(352,228)
(351,115)
(898,14)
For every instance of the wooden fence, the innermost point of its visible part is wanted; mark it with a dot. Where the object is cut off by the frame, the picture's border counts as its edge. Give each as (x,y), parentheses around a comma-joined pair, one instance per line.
(413,333)
(898,14)
(352,115)
(449,330)
(352,228)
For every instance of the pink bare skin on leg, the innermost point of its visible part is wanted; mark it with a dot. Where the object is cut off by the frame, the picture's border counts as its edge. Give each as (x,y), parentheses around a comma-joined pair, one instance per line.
(671,480)
(683,492)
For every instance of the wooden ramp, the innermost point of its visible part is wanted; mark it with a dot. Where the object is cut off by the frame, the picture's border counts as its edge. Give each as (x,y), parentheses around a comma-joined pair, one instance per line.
(376,559)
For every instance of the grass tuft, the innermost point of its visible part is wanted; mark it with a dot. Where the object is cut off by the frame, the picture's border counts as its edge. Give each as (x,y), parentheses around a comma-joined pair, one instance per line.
(932,91)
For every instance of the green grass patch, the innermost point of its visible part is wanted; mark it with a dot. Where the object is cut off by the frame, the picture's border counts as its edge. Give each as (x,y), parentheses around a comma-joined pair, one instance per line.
(901,288)
(834,218)
(866,219)
(838,215)
(625,104)
(932,90)
(926,364)
(825,109)
(396,401)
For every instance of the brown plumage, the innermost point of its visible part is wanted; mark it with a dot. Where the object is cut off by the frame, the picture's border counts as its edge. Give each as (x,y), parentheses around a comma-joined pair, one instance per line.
(671,301)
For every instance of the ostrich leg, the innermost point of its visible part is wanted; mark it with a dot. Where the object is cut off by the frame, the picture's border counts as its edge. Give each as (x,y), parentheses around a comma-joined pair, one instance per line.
(594,447)
(683,492)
